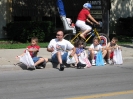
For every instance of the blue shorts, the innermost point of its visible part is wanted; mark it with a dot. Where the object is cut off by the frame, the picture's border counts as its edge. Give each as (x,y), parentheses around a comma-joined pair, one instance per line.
(35,59)
(55,59)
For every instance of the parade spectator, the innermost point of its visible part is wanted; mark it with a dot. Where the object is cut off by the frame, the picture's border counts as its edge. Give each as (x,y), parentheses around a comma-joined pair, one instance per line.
(94,48)
(58,47)
(33,49)
(110,49)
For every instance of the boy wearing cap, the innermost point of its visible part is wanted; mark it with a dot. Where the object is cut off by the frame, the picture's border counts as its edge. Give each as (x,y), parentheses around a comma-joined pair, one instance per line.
(83,16)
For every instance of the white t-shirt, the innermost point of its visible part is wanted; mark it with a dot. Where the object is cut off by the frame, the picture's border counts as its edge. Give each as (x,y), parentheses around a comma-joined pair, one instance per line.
(60,46)
(98,47)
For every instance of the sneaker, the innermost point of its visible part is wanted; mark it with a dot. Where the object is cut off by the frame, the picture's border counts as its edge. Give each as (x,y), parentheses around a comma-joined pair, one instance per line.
(105,62)
(61,67)
(80,65)
(49,60)
(109,61)
(43,64)
(93,63)
(39,67)
(30,68)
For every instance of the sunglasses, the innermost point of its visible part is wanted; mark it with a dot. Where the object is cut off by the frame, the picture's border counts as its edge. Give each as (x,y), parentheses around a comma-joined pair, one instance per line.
(58,35)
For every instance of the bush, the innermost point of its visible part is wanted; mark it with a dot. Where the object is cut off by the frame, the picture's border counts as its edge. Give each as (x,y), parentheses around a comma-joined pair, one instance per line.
(23,31)
(125,26)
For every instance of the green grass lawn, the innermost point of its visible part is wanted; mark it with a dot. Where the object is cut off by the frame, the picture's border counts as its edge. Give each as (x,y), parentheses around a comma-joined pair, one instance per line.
(42,45)
(20,45)
(6,44)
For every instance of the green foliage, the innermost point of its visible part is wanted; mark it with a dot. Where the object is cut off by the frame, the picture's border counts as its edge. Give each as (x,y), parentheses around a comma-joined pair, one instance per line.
(24,31)
(122,38)
(126,39)
(125,26)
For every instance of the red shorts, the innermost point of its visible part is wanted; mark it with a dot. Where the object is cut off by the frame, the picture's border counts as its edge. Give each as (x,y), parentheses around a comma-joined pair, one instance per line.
(111,55)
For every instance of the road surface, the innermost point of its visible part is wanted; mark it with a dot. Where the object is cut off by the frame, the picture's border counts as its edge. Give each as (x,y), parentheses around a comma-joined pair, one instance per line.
(104,82)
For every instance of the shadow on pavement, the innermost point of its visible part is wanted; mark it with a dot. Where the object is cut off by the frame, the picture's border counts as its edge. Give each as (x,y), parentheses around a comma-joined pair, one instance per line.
(128,46)
(22,66)
(55,65)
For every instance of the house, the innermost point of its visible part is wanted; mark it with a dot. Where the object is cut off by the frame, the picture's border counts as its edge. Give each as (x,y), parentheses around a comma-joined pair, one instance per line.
(42,10)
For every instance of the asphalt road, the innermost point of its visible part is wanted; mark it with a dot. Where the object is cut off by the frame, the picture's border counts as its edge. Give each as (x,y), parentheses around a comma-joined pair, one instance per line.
(104,82)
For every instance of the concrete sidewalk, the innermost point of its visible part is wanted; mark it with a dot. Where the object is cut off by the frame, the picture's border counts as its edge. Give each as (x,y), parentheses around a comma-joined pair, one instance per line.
(7,57)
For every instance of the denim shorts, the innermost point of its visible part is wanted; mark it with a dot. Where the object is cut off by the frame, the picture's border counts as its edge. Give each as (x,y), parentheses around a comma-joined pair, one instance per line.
(55,59)
(35,59)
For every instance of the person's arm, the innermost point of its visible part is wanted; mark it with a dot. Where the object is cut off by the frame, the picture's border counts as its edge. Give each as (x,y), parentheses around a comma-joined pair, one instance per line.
(79,54)
(50,47)
(73,52)
(89,21)
(93,19)
(101,48)
(33,50)
(91,47)
(117,46)
(108,46)
(17,57)
(70,47)
(96,49)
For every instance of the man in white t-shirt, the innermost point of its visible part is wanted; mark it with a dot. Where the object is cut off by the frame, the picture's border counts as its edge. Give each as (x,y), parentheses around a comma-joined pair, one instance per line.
(58,47)
(94,48)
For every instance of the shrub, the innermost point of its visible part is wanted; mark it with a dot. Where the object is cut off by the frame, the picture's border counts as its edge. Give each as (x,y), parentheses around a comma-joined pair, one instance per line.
(125,26)
(23,31)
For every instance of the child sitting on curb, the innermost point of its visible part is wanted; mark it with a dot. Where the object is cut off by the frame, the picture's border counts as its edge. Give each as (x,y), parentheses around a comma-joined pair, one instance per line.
(93,50)
(33,50)
(81,54)
(110,49)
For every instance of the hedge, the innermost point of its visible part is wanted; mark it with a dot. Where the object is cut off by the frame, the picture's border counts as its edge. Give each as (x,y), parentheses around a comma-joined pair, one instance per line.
(125,26)
(23,31)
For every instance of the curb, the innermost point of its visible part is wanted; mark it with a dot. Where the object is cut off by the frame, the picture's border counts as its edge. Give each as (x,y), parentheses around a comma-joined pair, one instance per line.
(128,59)
(48,65)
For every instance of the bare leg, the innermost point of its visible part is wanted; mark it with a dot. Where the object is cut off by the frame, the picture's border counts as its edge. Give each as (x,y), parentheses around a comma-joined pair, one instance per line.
(76,58)
(46,59)
(39,61)
(59,57)
(92,54)
(108,54)
(82,34)
(104,53)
